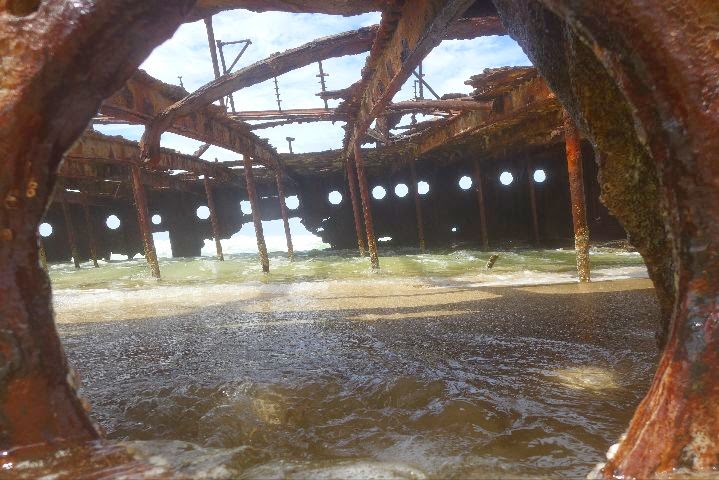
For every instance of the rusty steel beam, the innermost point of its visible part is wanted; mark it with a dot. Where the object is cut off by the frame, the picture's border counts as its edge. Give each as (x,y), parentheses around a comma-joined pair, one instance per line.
(256,217)
(436,105)
(94,170)
(95,146)
(285,215)
(356,213)
(348,43)
(150,179)
(417,206)
(201,150)
(285,114)
(344,7)
(71,237)
(479,188)
(213,217)
(576,191)
(59,60)
(213,50)
(90,234)
(143,97)
(366,207)
(144,221)
(335,114)
(532,105)
(99,199)
(279,123)
(406,36)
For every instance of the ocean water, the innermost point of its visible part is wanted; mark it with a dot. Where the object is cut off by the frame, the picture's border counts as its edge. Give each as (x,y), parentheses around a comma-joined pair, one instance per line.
(433,367)
(512,267)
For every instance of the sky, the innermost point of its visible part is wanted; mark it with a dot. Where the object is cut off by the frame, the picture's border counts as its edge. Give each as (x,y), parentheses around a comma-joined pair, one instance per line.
(186,54)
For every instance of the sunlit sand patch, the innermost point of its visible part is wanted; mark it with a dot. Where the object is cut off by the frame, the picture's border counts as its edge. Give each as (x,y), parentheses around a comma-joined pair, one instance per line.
(350,469)
(100,305)
(586,378)
(364,295)
(593,287)
(403,315)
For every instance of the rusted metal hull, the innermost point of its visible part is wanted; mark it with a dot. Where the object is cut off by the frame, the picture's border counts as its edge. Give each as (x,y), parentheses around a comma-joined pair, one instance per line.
(61,61)
(635,76)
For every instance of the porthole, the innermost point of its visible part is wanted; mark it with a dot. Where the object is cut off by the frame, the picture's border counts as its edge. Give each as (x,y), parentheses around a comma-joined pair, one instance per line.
(45,229)
(203,213)
(112,222)
(506,178)
(335,197)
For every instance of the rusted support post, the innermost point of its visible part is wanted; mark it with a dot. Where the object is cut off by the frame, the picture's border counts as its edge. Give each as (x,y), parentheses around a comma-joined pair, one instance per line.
(285,215)
(366,207)
(90,234)
(42,254)
(213,52)
(213,217)
(71,238)
(256,217)
(417,205)
(143,220)
(533,202)
(351,180)
(478,186)
(576,191)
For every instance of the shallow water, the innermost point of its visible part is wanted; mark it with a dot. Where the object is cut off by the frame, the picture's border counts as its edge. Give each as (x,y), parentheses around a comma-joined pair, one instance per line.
(433,368)
(524,266)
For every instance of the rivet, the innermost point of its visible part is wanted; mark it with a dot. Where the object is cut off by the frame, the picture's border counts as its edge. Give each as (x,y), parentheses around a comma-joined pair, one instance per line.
(31,189)
(11,201)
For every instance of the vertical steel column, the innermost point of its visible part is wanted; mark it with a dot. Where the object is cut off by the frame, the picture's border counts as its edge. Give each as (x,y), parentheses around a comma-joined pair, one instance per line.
(142,219)
(323,85)
(576,191)
(213,217)
(285,215)
(351,180)
(478,182)
(256,217)
(417,205)
(533,202)
(213,52)
(90,234)
(366,207)
(70,233)
(421,82)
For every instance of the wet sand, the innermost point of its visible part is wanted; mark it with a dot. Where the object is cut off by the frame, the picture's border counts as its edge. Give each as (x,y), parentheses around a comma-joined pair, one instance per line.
(406,378)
